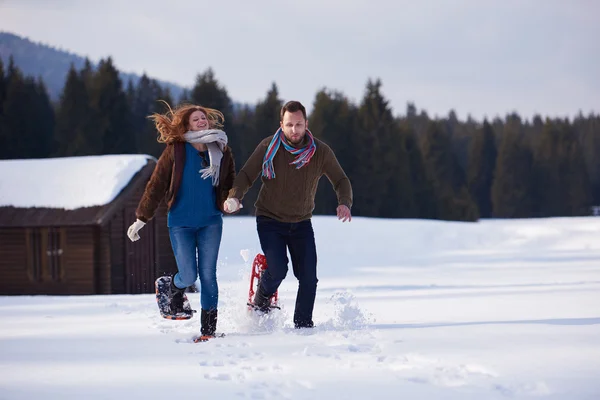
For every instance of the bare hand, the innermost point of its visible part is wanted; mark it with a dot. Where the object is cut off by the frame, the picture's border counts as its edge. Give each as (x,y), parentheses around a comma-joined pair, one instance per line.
(343,213)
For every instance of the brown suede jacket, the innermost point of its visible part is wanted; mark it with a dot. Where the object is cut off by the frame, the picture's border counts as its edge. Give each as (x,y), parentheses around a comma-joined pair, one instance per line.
(166,179)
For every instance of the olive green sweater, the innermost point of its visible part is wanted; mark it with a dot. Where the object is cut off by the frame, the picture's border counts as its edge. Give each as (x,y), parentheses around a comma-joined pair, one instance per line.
(290,196)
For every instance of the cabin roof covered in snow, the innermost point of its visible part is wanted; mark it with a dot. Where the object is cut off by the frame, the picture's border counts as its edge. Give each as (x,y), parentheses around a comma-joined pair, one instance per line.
(66,185)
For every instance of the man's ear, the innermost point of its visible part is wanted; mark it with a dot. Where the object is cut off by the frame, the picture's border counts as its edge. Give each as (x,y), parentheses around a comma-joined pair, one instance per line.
(307,124)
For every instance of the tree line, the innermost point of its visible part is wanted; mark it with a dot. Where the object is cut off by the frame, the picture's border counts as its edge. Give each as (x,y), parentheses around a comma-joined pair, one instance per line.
(400,166)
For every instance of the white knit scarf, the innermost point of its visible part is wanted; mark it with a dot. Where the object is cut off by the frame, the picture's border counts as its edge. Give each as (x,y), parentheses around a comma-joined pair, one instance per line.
(215,141)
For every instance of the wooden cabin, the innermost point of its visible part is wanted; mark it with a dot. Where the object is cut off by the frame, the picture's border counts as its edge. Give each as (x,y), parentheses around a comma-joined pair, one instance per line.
(49,249)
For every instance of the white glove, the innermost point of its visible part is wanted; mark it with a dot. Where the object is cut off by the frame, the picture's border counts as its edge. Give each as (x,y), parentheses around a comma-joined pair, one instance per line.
(132,232)
(231,205)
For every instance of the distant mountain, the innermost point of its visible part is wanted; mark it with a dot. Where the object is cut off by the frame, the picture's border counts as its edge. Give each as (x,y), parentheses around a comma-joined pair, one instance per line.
(52,65)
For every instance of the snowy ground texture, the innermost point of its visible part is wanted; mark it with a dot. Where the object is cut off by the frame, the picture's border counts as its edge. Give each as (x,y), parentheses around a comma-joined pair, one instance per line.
(405,309)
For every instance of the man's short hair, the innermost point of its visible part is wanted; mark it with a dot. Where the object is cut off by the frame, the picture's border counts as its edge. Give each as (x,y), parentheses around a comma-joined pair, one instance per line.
(293,106)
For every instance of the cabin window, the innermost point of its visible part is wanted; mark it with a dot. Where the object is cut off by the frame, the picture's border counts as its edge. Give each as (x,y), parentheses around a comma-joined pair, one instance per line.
(34,252)
(54,253)
(45,254)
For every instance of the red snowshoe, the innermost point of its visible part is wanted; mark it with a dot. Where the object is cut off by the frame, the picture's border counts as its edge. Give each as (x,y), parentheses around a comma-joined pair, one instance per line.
(259,266)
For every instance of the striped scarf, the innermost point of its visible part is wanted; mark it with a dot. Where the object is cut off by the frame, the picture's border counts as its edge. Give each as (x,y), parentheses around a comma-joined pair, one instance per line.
(303,155)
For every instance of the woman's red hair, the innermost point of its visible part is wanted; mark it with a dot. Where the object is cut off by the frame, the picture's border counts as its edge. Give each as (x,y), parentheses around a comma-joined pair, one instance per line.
(174,123)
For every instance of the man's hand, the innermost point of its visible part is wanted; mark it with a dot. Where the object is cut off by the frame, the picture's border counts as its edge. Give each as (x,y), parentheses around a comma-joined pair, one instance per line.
(231,205)
(343,213)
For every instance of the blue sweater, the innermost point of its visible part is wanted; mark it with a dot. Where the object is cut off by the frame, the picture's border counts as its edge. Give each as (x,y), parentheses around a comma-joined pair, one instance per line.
(195,205)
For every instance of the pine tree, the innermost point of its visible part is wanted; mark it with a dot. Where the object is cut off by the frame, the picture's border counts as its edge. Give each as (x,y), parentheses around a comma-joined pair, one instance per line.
(482,162)
(383,168)
(512,190)
(575,176)
(208,92)
(3,85)
(417,123)
(12,81)
(422,186)
(87,74)
(243,121)
(43,144)
(3,131)
(74,118)
(460,137)
(17,125)
(185,97)
(130,91)
(588,130)
(265,123)
(144,100)
(266,114)
(561,174)
(28,119)
(333,120)
(112,110)
(447,177)
(400,193)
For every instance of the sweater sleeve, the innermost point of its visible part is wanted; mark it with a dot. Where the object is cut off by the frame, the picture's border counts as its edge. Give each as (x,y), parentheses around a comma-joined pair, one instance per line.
(249,172)
(336,175)
(157,186)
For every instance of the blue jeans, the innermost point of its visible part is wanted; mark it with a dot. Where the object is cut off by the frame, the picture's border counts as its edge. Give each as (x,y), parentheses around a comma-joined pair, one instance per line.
(276,238)
(196,251)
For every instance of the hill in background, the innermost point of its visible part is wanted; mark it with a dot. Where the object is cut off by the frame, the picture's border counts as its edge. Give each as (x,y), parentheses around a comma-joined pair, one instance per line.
(52,64)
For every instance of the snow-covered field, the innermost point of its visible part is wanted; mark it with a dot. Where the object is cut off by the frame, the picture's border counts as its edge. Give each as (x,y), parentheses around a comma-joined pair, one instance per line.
(405,309)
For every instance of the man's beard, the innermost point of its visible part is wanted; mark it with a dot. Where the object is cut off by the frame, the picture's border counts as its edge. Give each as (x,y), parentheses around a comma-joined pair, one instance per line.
(297,141)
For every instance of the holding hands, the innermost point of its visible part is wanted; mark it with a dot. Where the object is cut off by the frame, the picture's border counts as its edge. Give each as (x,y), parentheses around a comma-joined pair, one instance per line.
(232,205)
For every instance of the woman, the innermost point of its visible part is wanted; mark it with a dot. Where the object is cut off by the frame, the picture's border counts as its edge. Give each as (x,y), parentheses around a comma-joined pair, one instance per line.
(193,175)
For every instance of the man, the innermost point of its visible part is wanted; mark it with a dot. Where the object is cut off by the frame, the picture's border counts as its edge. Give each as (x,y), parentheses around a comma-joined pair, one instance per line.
(291,163)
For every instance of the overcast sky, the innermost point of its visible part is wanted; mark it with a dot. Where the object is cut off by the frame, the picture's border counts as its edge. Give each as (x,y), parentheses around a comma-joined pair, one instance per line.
(478,57)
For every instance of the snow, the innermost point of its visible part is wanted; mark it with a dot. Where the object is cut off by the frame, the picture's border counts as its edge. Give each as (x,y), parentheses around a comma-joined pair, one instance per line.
(406,309)
(69,182)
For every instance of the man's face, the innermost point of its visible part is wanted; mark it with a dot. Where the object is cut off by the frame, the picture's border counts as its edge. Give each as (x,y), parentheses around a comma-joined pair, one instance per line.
(294,126)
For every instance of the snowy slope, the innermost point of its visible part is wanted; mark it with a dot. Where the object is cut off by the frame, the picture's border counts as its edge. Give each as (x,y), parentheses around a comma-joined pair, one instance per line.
(405,309)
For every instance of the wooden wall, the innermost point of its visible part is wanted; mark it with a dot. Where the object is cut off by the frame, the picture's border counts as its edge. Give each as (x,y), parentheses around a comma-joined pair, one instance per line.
(102,261)
(77,275)
(166,263)
(136,265)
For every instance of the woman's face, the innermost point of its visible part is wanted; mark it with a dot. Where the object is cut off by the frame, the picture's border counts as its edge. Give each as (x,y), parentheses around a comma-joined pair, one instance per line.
(198,121)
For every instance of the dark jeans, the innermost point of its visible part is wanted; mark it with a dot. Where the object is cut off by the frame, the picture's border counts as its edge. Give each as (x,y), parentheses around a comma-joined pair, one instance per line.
(276,238)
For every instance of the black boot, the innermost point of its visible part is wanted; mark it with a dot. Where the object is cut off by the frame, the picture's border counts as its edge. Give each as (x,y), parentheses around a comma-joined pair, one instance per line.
(303,324)
(262,301)
(176,297)
(208,322)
